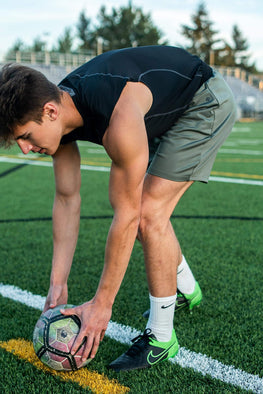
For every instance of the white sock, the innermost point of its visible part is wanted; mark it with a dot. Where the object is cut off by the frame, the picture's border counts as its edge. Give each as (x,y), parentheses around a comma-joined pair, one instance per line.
(161,317)
(185,278)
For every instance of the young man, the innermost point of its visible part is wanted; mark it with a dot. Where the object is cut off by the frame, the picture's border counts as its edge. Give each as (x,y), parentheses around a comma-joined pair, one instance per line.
(127,100)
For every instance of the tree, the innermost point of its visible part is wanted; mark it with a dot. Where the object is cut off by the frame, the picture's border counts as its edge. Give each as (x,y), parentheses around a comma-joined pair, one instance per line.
(85,33)
(17,46)
(126,27)
(240,50)
(39,45)
(201,35)
(235,54)
(65,41)
(224,56)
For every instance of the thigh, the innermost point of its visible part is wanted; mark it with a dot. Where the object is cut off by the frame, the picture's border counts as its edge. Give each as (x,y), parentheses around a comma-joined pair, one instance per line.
(160,196)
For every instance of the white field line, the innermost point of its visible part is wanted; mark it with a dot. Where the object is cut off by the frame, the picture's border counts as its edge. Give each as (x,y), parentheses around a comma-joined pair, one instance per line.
(242,152)
(235,180)
(250,142)
(240,143)
(39,163)
(241,129)
(185,358)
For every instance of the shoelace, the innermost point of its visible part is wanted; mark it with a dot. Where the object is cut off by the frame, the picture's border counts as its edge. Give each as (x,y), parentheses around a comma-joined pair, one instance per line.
(139,342)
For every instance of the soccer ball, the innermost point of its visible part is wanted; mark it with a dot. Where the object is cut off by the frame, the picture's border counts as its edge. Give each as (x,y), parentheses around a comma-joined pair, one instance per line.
(53,337)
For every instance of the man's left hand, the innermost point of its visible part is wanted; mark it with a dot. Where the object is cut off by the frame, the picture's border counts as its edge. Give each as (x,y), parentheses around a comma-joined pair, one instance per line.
(94,321)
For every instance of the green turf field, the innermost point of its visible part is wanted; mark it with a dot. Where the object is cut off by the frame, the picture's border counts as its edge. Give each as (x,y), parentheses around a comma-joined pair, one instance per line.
(220,228)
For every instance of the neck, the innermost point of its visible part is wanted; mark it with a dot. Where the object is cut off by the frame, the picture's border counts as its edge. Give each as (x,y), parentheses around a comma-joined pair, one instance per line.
(71,116)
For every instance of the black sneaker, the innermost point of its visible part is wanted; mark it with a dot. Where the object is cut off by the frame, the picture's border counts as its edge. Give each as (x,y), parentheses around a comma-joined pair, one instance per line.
(145,352)
(184,300)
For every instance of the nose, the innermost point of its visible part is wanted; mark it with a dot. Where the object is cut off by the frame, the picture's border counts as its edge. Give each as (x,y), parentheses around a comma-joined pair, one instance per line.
(25,146)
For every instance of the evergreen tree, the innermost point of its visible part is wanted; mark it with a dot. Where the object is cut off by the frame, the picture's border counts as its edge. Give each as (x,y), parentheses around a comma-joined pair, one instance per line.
(201,35)
(17,46)
(126,27)
(65,42)
(224,56)
(235,55)
(240,50)
(85,33)
(39,45)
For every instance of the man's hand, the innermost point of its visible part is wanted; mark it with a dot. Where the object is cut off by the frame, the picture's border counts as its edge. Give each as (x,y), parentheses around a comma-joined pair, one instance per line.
(94,321)
(57,295)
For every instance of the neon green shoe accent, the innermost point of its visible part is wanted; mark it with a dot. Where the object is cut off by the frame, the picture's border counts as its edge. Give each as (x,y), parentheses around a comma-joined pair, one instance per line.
(145,352)
(195,298)
(184,300)
(166,349)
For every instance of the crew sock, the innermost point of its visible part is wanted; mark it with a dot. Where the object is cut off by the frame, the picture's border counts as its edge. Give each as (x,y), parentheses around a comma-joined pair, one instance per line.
(161,317)
(185,278)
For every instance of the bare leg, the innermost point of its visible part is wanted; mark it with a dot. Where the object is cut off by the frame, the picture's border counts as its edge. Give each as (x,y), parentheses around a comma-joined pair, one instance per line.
(161,248)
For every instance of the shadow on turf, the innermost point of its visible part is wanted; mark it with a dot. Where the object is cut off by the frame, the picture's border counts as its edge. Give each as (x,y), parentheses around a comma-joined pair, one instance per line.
(206,217)
(10,170)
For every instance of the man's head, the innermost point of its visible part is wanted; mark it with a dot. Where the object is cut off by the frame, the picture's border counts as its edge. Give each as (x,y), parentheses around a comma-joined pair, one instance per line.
(24,93)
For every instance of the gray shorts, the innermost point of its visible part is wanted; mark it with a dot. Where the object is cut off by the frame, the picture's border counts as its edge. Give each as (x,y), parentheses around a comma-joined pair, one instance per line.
(187,151)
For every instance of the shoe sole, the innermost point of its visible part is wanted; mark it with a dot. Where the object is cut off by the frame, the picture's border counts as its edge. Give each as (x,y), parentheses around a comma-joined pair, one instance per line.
(195,301)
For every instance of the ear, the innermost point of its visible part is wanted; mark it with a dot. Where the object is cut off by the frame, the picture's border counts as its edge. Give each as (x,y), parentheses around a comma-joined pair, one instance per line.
(50,110)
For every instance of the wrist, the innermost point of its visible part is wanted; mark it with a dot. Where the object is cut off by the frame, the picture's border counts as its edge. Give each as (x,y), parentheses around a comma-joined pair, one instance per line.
(57,282)
(103,300)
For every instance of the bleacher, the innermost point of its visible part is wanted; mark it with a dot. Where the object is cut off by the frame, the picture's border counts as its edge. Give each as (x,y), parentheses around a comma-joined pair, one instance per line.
(249,99)
(53,73)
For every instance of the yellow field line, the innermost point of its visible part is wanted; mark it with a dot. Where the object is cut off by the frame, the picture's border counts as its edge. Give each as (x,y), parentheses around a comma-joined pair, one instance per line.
(233,174)
(37,158)
(95,163)
(98,383)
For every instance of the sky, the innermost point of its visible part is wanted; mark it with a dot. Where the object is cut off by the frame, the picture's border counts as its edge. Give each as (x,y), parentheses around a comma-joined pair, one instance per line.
(28,19)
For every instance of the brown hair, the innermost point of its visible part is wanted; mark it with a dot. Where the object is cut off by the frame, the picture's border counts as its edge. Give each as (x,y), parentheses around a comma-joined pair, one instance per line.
(23,94)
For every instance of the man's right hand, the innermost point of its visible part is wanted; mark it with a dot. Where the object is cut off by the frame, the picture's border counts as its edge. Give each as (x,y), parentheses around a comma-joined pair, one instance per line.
(57,295)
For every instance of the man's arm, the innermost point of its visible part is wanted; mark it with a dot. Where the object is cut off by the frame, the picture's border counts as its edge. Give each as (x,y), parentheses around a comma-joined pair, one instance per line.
(127,145)
(66,213)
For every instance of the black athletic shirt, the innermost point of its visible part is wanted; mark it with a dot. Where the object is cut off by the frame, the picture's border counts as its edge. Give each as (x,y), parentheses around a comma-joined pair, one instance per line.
(172,75)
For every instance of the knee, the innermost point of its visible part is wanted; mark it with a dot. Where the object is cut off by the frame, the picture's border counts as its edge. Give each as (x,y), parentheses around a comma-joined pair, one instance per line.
(151,223)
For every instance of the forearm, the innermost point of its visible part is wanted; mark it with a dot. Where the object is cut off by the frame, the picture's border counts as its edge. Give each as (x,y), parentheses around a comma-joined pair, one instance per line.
(66,214)
(120,241)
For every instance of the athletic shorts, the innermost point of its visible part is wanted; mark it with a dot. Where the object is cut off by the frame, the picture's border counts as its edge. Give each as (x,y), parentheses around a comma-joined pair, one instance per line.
(187,151)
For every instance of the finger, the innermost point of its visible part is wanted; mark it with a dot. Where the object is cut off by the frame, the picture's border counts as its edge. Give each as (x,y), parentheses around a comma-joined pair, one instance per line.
(45,309)
(102,335)
(48,306)
(68,311)
(78,342)
(87,349)
(96,343)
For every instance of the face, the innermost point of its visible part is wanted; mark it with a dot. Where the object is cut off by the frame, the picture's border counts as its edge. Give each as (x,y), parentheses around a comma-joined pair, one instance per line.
(41,138)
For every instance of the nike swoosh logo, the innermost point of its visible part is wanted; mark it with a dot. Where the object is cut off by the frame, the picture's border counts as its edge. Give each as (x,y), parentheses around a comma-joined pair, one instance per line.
(180,306)
(167,306)
(154,358)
